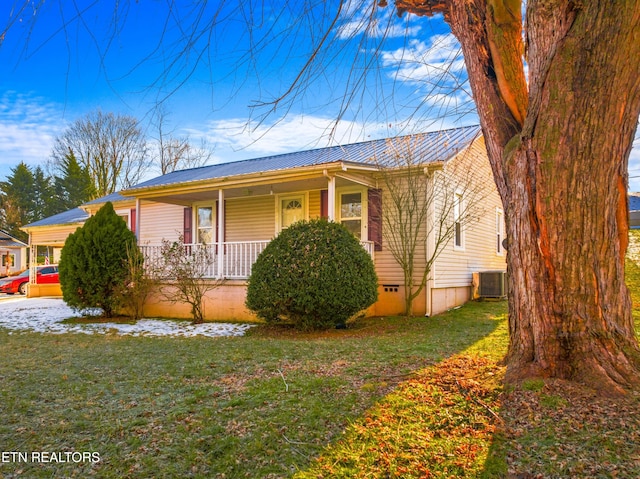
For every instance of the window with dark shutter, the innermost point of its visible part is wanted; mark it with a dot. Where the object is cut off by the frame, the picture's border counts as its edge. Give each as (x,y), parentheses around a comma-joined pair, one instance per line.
(133,220)
(324,204)
(375,218)
(187,229)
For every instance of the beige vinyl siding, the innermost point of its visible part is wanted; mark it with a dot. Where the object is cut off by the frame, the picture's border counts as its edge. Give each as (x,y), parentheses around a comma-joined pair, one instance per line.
(454,266)
(314,204)
(250,219)
(52,235)
(159,221)
(388,270)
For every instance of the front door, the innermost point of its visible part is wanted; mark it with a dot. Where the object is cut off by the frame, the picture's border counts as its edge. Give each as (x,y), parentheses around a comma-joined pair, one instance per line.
(291,210)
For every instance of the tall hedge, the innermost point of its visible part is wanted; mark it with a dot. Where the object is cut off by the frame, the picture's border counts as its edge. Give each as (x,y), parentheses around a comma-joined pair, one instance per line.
(93,262)
(314,274)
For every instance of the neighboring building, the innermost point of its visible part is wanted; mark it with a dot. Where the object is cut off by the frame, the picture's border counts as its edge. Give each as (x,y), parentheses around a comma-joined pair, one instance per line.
(634,210)
(238,207)
(13,255)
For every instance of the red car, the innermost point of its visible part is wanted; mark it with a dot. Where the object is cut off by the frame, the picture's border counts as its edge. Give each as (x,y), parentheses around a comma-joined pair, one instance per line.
(18,284)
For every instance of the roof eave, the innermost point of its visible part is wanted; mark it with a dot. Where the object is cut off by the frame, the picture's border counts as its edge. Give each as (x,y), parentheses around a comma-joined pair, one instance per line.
(260,177)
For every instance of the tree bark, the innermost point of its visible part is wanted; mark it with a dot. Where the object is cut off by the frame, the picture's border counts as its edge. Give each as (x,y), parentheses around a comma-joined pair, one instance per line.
(561,171)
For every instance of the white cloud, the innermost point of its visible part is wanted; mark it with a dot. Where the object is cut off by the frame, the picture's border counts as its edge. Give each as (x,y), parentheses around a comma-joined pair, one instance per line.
(365,17)
(435,69)
(437,62)
(28,128)
(235,138)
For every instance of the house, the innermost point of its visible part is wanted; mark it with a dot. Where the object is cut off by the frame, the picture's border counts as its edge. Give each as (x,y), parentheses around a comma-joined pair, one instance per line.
(634,210)
(13,254)
(237,208)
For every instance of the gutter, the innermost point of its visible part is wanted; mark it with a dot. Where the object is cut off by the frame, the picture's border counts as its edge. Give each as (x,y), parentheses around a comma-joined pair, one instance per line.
(262,177)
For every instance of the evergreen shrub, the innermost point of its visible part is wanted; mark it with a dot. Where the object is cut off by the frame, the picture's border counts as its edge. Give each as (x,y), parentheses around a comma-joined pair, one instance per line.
(93,262)
(314,274)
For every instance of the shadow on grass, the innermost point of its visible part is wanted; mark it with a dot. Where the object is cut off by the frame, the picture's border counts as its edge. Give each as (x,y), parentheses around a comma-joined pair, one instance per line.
(440,422)
(264,405)
(555,428)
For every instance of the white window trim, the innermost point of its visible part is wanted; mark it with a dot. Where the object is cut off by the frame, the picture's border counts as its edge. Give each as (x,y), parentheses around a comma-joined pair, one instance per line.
(195,233)
(499,231)
(364,218)
(458,209)
(303,195)
(3,259)
(125,212)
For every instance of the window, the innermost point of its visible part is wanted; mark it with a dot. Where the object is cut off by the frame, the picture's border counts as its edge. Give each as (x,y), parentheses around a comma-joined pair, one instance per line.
(205,224)
(8,259)
(124,214)
(458,233)
(129,217)
(351,212)
(499,230)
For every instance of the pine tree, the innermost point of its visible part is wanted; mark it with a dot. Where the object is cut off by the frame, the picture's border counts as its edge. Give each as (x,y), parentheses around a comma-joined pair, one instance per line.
(16,200)
(74,187)
(42,196)
(93,262)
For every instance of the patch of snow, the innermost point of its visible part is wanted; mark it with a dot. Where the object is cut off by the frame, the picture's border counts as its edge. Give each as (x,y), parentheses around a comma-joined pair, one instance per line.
(45,315)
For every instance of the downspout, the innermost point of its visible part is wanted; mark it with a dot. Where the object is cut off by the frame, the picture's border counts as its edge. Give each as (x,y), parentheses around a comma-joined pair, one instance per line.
(430,172)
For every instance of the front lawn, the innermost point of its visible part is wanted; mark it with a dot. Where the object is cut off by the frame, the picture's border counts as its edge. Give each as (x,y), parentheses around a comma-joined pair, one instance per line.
(263,405)
(387,398)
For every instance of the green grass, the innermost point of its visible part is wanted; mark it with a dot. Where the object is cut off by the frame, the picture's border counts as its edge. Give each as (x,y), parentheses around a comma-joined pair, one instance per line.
(389,397)
(264,405)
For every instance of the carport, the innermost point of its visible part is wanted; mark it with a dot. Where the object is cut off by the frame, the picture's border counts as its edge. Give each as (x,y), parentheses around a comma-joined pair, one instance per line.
(51,232)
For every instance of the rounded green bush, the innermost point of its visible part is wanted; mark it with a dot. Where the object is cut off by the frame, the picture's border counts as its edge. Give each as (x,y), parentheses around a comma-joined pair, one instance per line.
(314,274)
(92,262)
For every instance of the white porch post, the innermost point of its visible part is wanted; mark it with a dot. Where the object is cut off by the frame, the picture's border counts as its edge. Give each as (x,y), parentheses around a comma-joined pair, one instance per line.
(220,218)
(137,225)
(33,261)
(331,198)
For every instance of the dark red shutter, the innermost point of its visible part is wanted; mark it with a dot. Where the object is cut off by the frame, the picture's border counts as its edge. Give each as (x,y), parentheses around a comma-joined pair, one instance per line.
(375,218)
(188,228)
(324,203)
(133,220)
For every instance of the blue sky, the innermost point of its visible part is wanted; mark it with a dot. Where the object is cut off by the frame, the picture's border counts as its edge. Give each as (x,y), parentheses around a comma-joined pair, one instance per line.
(61,62)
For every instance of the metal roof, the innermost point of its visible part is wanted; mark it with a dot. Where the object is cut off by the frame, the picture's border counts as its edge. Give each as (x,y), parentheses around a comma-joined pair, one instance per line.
(634,201)
(76,215)
(428,147)
(113,197)
(8,241)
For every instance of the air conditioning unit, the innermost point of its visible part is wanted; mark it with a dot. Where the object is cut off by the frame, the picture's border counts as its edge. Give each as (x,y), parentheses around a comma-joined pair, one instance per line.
(491,284)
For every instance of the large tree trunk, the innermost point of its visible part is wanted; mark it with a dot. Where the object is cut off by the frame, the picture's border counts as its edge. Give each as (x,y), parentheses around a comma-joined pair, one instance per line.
(561,170)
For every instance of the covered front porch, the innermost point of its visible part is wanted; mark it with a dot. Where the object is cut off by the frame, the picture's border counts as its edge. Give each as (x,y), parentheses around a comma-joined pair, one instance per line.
(234,218)
(228,259)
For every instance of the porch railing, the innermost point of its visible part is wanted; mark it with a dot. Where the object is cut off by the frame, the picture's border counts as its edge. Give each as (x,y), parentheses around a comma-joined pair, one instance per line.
(233,262)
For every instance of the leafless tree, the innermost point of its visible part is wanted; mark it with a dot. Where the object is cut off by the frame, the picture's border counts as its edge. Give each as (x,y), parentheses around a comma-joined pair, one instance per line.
(182,271)
(426,207)
(111,147)
(141,280)
(172,153)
